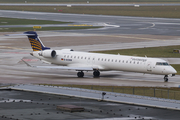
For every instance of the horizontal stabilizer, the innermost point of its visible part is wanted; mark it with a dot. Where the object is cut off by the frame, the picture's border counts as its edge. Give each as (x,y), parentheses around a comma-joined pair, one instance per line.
(26,63)
(20,34)
(34,40)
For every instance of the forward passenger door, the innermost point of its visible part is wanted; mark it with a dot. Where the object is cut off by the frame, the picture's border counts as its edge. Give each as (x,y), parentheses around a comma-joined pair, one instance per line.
(149,66)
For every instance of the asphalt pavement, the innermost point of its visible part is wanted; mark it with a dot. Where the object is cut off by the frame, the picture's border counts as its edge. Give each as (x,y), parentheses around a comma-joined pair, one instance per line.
(113,24)
(89,4)
(22,105)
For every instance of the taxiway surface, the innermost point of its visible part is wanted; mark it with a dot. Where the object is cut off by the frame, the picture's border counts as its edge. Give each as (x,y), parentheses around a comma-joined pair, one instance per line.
(118,33)
(13,70)
(113,24)
(136,5)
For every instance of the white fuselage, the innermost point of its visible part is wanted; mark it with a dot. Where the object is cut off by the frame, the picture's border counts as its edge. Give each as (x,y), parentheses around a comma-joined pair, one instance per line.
(104,62)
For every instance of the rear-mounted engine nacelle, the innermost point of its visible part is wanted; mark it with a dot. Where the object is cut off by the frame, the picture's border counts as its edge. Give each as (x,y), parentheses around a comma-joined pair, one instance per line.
(48,53)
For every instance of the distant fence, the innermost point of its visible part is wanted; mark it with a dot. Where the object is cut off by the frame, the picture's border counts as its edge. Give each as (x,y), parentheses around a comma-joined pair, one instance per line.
(151,92)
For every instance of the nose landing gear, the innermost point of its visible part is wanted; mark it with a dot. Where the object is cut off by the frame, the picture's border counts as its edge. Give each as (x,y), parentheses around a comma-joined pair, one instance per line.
(166,78)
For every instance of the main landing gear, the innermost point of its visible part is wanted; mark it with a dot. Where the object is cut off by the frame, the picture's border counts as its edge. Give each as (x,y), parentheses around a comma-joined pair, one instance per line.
(96,73)
(166,78)
(80,74)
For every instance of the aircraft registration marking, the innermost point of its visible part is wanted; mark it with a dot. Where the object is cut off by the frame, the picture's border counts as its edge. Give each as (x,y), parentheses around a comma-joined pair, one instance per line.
(66,59)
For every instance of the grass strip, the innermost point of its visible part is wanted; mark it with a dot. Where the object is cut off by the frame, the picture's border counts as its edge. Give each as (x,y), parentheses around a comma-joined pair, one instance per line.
(14,29)
(16,21)
(163,51)
(142,11)
(168,93)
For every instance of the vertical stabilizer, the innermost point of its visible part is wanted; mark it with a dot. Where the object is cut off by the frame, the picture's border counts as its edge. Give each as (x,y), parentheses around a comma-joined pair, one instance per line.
(35,42)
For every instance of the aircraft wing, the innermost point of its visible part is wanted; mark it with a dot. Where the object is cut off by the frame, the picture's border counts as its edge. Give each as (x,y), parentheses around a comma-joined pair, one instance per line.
(66,68)
(62,67)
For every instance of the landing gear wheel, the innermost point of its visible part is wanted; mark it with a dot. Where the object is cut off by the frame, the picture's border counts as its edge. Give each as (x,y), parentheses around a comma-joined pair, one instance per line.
(166,78)
(96,73)
(80,74)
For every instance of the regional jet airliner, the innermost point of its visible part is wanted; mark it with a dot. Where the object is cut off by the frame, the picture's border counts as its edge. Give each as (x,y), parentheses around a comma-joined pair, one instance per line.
(85,61)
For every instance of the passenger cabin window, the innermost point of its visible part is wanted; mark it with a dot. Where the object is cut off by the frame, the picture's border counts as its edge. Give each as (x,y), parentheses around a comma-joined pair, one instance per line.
(162,63)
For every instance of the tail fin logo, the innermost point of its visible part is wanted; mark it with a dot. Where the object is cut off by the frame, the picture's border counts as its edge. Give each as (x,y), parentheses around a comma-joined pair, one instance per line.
(35,44)
(34,40)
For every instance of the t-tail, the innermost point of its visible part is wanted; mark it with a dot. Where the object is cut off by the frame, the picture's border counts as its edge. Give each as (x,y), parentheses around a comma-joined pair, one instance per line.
(35,41)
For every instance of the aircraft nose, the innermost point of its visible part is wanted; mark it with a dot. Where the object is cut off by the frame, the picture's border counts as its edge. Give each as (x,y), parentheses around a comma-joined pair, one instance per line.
(172,70)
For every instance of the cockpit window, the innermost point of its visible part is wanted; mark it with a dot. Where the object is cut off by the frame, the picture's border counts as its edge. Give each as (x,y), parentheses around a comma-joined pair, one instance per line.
(162,63)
